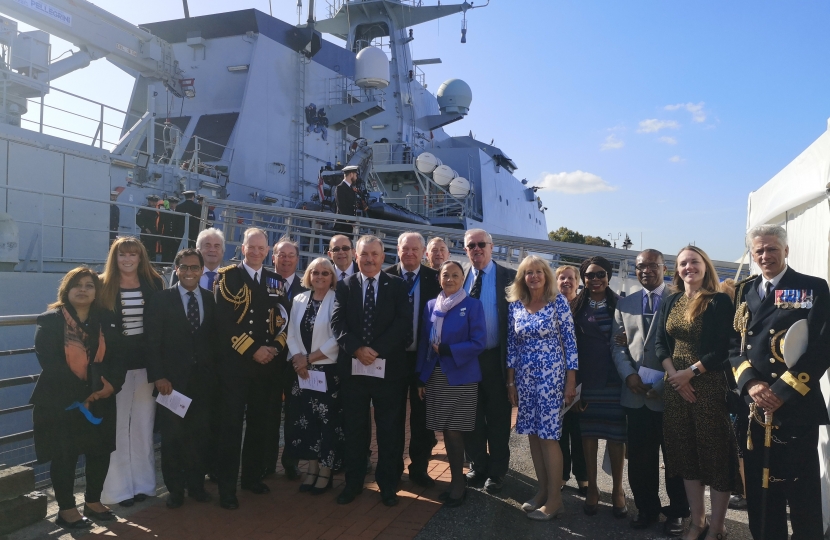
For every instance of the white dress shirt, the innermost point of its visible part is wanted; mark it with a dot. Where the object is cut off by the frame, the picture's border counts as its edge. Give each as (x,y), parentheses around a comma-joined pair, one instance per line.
(762,288)
(364,281)
(203,281)
(252,272)
(348,271)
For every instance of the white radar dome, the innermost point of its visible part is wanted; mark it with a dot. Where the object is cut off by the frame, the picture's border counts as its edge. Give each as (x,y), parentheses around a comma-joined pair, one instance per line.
(460,187)
(427,163)
(443,175)
(455,96)
(371,68)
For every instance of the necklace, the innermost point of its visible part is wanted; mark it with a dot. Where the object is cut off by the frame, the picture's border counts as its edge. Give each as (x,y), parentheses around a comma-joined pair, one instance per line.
(598,305)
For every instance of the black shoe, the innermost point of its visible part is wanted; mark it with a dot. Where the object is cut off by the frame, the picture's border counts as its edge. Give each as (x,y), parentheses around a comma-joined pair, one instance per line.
(292,472)
(444,496)
(422,479)
(737,502)
(389,499)
(175,500)
(673,527)
(140,497)
(493,484)
(620,512)
(99,516)
(320,490)
(199,495)
(82,523)
(476,479)
(455,503)
(643,521)
(590,509)
(257,488)
(126,503)
(305,488)
(229,503)
(348,495)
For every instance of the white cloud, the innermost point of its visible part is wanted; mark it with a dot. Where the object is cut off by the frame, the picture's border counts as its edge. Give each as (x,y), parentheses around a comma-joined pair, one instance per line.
(612,143)
(696,110)
(653,125)
(668,140)
(676,159)
(574,183)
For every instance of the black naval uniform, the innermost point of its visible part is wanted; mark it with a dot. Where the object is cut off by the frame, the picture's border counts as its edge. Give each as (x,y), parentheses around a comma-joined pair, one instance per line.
(249,316)
(194,209)
(794,464)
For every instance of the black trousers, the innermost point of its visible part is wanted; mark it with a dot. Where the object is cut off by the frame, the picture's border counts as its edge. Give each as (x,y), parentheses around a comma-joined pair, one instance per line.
(421,439)
(645,440)
(282,382)
(570,442)
(359,394)
(245,399)
(62,471)
(488,446)
(184,443)
(794,479)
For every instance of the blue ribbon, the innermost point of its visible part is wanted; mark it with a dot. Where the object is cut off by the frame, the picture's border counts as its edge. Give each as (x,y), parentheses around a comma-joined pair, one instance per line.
(88,415)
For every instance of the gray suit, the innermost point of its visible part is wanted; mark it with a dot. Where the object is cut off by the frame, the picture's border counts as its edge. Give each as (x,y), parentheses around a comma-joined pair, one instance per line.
(640,351)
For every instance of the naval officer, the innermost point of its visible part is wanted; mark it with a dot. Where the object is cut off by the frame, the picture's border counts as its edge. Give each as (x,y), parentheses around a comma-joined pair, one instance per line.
(767,307)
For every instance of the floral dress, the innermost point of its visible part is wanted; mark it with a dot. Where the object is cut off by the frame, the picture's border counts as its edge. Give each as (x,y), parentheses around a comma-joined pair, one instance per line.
(540,347)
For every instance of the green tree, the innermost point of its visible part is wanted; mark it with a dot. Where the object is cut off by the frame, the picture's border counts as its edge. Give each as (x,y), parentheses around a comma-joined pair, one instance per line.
(597,241)
(564,234)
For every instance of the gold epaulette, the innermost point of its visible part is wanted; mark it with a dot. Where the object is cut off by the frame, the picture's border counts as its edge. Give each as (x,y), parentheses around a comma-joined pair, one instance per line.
(226,268)
(741,320)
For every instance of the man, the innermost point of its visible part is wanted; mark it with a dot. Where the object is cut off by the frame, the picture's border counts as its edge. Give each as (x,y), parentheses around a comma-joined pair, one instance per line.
(173,230)
(643,403)
(115,216)
(342,255)
(189,206)
(251,316)
(285,258)
(371,319)
(346,198)
(211,245)
(437,252)
(147,221)
(180,345)
(422,286)
(486,281)
(767,306)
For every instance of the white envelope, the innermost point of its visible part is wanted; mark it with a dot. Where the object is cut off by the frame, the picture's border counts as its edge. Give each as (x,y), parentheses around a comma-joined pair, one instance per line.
(175,401)
(650,376)
(316,381)
(576,399)
(375,369)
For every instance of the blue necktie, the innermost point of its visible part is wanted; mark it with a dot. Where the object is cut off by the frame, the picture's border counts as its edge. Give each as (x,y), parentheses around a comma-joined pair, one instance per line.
(193,311)
(369,311)
(211,275)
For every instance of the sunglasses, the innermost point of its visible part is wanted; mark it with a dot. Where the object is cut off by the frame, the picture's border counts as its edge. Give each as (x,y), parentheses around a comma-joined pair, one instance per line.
(344,249)
(324,273)
(189,267)
(595,275)
(479,245)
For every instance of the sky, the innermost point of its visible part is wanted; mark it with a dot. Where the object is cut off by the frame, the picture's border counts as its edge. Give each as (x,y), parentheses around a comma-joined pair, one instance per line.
(654,119)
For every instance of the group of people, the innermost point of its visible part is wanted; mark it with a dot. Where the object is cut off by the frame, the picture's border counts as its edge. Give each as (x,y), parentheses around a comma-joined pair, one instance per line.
(463,344)
(160,226)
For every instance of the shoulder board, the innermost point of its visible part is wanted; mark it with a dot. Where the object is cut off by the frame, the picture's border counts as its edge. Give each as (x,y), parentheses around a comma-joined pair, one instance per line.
(226,268)
(746,280)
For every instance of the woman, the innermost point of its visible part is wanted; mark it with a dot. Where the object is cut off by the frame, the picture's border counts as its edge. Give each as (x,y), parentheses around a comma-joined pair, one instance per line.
(74,403)
(693,332)
(571,439)
(315,429)
(602,416)
(541,375)
(453,334)
(127,284)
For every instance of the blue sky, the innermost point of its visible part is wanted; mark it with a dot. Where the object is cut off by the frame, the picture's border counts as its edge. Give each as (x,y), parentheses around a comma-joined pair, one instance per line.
(652,118)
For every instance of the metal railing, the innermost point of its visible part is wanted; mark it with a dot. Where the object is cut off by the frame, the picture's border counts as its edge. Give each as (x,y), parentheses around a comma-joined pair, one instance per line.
(342,90)
(392,154)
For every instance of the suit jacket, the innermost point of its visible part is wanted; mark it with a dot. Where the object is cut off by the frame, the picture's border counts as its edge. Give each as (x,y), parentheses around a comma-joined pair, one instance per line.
(798,387)
(176,352)
(504,277)
(640,351)
(429,289)
(296,288)
(463,339)
(596,363)
(346,199)
(322,337)
(392,317)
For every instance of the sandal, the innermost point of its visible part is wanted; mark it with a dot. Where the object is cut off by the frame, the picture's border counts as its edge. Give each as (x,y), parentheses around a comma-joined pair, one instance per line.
(700,532)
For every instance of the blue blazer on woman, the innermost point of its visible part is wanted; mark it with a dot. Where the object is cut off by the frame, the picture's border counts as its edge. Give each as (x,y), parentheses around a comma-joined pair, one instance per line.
(463,338)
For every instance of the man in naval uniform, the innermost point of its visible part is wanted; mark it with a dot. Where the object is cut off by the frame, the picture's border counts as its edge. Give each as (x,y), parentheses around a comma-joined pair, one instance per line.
(147,221)
(346,197)
(251,316)
(767,306)
(191,207)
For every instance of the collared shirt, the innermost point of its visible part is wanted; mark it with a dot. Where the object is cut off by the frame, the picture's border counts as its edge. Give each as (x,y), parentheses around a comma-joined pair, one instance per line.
(416,301)
(488,300)
(349,271)
(762,288)
(203,281)
(364,281)
(347,182)
(186,299)
(289,281)
(252,272)
(657,297)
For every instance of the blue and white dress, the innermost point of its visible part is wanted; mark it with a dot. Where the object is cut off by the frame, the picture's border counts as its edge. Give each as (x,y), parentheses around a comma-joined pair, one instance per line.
(540,347)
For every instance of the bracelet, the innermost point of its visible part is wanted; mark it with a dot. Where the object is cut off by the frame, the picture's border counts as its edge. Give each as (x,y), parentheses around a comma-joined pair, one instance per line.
(510,384)
(307,361)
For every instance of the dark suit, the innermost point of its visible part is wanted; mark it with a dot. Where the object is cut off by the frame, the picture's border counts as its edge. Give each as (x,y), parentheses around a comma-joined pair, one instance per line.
(246,386)
(346,200)
(794,461)
(147,220)
(421,439)
(186,358)
(195,210)
(493,414)
(393,316)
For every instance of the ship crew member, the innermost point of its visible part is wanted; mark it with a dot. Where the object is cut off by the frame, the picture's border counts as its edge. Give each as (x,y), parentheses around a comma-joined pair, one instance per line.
(147,221)
(767,306)
(371,319)
(173,230)
(189,206)
(346,198)
(421,283)
(437,252)
(341,254)
(181,341)
(251,317)
(115,216)
(487,281)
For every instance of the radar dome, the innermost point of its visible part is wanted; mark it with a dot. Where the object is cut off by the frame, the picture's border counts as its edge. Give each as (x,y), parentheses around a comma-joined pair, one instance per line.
(460,187)
(427,163)
(455,96)
(371,69)
(443,175)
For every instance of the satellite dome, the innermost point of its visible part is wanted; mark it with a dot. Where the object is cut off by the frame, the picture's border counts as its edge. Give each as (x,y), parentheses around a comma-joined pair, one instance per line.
(426,163)
(455,96)
(443,175)
(460,187)
(371,68)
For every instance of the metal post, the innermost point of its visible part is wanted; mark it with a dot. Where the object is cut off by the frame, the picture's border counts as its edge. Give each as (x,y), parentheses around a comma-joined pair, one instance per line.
(41,113)
(42,217)
(101,127)
(151,126)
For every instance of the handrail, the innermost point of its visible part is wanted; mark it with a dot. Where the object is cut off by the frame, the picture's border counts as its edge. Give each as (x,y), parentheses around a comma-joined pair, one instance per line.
(17,320)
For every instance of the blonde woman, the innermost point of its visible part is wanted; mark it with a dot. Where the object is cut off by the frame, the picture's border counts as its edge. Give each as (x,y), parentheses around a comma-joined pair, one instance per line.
(127,283)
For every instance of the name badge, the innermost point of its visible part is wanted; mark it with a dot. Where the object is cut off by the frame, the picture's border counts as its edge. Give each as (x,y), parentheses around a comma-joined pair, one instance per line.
(462,312)
(375,369)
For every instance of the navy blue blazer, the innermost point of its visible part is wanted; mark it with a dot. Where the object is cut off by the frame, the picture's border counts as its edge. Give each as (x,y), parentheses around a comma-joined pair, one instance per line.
(464,333)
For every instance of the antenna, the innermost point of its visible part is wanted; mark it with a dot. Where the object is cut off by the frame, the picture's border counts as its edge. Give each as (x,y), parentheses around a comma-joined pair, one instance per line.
(186,10)
(464,29)
(299,12)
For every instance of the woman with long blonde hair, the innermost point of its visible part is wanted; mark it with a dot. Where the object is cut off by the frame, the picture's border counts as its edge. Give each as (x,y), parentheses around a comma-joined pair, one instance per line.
(127,282)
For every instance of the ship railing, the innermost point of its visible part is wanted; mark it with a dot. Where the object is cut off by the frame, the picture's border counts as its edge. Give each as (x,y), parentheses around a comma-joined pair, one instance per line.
(392,154)
(432,205)
(335,5)
(342,90)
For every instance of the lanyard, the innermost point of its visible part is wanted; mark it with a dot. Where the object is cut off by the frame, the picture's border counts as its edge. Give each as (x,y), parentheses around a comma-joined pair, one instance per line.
(414,284)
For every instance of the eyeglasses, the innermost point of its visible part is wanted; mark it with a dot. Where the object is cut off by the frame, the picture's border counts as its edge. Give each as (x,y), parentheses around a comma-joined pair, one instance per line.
(324,273)
(284,255)
(595,275)
(344,249)
(189,267)
(650,266)
(480,245)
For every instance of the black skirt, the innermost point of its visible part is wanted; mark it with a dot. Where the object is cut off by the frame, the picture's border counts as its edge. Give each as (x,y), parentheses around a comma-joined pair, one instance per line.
(58,432)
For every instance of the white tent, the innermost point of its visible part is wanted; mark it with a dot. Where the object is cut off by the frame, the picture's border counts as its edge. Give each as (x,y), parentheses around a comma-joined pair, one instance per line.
(797,198)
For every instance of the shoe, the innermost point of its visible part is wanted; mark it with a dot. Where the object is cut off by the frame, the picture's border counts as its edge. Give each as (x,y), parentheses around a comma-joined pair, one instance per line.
(590,509)
(83,523)
(421,479)
(229,503)
(99,516)
(717,536)
(444,495)
(530,506)
(493,484)
(619,512)
(270,471)
(476,479)
(348,495)
(455,503)
(391,499)
(257,488)
(174,500)
(737,502)
(673,527)
(320,490)
(699,531)
(538,515)
(643,521)
(140,497)
(292,472)
(199,495)
(126,503)
(305,488)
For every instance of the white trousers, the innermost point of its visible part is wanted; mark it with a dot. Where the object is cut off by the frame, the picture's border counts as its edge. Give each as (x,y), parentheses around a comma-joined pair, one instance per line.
(132,465)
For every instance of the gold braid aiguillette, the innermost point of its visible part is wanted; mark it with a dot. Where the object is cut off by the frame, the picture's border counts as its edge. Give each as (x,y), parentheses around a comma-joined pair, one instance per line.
(242,298)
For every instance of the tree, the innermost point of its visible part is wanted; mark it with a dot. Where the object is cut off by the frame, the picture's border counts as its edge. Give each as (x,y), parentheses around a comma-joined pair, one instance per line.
(564,234)
(597,241)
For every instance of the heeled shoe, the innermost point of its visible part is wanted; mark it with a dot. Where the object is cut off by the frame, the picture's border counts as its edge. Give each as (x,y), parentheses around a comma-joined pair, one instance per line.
(305,488)
(455,503)
(83,523)
(619,512)
(317,490)
(530,506)
(538,515)
(700,532)
(100,516)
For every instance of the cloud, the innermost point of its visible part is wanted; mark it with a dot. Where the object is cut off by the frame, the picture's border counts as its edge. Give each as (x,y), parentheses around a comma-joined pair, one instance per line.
(574,183)
(612,143)
(696,110)
(676,159)
(653,125)
(668,140)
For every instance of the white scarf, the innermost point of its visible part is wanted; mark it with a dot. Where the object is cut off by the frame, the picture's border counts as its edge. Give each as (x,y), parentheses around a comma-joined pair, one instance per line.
(443,305)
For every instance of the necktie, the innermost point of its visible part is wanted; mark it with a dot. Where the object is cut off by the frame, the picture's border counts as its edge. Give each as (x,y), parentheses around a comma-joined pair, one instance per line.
(475,290)
(342,276)
(193,311)
(648,312)
(256,278)
(211,275)
(768,290)
(369,311)
(410,281)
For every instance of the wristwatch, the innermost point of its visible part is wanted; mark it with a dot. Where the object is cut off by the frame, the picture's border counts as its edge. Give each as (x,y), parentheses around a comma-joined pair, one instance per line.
(695,370)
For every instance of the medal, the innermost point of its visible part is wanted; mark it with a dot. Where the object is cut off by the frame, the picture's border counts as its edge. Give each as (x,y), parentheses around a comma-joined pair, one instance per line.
(778,300)
(808,299)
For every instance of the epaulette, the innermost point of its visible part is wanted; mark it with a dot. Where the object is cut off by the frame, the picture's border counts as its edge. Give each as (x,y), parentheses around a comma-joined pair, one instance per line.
(739,287)
(226,268)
